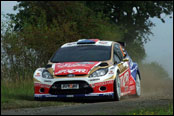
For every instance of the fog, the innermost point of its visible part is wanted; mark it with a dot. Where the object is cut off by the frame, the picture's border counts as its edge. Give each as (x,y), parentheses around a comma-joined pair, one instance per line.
(160,48)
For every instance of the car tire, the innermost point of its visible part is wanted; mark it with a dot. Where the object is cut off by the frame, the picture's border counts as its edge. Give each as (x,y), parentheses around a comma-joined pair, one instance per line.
(138,86)
(117,89)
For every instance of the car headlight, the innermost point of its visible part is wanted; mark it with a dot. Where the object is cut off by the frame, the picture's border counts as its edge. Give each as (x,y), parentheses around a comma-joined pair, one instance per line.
(46,74)
(99,72)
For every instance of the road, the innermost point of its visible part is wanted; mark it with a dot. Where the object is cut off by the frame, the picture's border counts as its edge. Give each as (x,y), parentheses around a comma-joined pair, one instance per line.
(155,92)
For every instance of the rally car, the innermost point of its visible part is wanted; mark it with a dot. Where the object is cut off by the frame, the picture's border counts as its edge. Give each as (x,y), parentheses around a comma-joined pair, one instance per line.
(88,68)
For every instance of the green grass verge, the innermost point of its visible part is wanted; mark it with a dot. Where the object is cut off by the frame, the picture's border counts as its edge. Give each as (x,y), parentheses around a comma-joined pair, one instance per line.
(166,110)
(20,94)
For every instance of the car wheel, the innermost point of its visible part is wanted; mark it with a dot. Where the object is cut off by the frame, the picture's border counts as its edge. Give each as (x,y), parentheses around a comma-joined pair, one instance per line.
(117,89)
(138,85)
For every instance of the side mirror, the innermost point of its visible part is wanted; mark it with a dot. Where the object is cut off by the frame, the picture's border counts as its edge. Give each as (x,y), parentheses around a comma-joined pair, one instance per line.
(126,59)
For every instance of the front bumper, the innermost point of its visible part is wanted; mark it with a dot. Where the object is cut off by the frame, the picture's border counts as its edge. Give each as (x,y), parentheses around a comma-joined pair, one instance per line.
(92,91)
(91,95)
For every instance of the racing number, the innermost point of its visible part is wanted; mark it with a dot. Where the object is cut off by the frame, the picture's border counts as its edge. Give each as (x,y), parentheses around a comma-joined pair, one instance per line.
(124,79)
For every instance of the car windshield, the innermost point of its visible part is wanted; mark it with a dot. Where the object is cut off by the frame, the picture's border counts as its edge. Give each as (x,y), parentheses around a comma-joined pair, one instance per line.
(82,53)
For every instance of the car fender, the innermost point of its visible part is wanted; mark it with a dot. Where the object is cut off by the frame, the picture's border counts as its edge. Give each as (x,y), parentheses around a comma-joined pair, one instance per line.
(38,74)
(116,70)
(138,71)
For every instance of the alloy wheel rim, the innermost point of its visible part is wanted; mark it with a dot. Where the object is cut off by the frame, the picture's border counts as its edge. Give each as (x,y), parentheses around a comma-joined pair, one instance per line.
(118,87)
(138,87)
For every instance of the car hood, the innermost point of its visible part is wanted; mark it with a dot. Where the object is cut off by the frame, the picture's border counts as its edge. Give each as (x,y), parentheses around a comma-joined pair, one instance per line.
(76,68)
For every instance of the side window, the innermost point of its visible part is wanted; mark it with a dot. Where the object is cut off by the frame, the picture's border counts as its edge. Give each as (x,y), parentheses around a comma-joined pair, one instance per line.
(118,51)
(116,58)
(124,52)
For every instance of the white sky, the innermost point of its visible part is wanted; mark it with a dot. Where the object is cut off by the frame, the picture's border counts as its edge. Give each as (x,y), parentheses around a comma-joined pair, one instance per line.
(159,49)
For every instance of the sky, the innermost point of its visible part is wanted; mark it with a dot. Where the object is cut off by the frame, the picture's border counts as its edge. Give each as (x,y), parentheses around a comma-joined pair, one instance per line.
(159,49)
(7,7)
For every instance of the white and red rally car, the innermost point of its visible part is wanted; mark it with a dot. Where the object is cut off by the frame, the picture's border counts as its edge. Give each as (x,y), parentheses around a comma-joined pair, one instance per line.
(88,68)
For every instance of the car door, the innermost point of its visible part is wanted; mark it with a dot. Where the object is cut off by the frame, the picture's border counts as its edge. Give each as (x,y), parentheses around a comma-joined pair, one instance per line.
(123,67)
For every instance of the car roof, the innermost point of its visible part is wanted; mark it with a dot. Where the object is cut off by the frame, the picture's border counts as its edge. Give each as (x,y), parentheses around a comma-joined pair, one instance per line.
(88,42)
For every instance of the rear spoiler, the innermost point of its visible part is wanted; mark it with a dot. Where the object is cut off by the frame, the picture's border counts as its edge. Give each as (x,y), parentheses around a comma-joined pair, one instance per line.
(122,43)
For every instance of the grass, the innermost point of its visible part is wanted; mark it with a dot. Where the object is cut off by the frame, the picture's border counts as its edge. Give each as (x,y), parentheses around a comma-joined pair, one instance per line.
(20,94)
(16,89)
(166,110)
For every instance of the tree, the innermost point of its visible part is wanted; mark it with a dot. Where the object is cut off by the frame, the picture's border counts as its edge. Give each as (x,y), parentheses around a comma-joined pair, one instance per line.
(133,18)
(42,27)
(133,15)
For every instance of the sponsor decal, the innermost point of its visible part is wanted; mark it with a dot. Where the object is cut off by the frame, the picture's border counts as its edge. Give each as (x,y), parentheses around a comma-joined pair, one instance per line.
(37,74)
(41,85)
(77,95)
(85,63)
(126,88)
(111,72)
(94,79)
(69,95)
(104,83)
(65,71)
(62,65)
(131,82)
(73,68)
(103,42)
(132,87)
(124,79)
(48,81)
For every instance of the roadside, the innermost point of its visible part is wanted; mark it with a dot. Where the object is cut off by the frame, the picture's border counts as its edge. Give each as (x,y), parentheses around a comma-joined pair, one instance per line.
(161,99)
(107,108)
(159,110)
(19,94)
(156,92)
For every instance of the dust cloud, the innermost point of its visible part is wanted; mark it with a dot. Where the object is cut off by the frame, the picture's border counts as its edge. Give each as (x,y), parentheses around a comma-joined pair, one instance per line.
(154,84)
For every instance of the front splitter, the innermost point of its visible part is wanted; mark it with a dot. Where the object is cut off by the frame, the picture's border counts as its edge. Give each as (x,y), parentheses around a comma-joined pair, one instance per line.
(108,94)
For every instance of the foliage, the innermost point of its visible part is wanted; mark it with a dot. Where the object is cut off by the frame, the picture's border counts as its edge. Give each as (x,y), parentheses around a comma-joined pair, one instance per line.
(37,31)
(19,94)
(133,18)
(41,27)
(165,110)
(133,15)
(130,17)
(15,57)
(154,68)
(31,36)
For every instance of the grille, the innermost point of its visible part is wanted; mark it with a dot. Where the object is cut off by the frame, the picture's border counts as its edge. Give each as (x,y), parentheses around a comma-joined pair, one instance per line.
(84,88)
